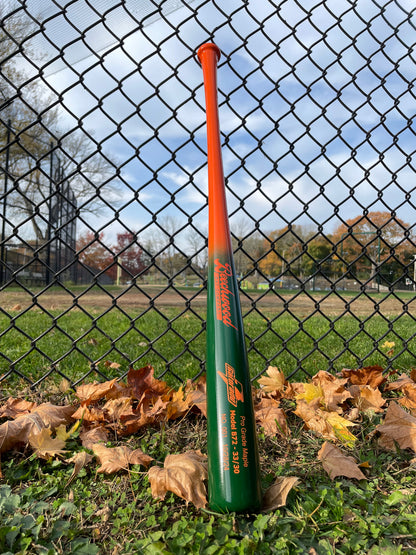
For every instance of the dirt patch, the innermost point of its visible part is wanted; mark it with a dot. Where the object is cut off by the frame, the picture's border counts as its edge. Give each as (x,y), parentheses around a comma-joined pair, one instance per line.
(301,305)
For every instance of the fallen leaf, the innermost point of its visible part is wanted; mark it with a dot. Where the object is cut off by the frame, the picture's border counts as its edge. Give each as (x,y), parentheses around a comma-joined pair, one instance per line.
(409,397)
(94,435)
(275,496)
(398,427)
(179,404)
(15,432)
(92,392)
(273,381)
(366,398)
(325,391)
(336,463)
(113,459)
(197,392)
(271,418)
(369,375)
(16,407)
(402,381)
(329,425)
(143,384)
(80,460)
(184,475)
(89,414)
(44,446)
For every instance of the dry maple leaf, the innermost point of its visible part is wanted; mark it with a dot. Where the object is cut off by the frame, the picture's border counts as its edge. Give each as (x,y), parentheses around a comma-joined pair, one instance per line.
(409,398)
(275,496)
(44,446)
(16,407)
(273,381)
(369,375)
(80,460)
(142,383)
(402,381)
(184,475)
(325,391)
(271,418)
(197,392)
(116,409)
(366,398)
(92,392)
(335,463)
(179,405)
(113,459)
(329,425)
(13,433)
(89,414)
(94,435)
(398,427)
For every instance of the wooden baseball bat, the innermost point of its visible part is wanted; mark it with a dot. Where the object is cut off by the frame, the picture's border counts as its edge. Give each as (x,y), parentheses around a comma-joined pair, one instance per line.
(233,462)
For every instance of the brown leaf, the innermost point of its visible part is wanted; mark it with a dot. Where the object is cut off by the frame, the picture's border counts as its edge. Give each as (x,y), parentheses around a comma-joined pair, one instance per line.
(80,460)
(335,463)
(402,381)
(409,398)
(179,404)
(271,417)
(398,427)
(44,446)
(116,409)
(366,398)
(275,496)
(142,383)
(369,375)
(273,381)
(13,433)
(182,474)
(95,435)
(113,459)
(198,394)
(87,414)
(329,425)
(92,392)
(16,407)
(325,391)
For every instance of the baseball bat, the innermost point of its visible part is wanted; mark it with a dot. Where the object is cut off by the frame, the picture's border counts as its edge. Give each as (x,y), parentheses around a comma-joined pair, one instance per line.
(233,461)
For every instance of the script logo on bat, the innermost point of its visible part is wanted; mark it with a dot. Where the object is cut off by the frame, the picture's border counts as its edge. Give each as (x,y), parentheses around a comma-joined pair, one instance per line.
(234,387)
(222,272)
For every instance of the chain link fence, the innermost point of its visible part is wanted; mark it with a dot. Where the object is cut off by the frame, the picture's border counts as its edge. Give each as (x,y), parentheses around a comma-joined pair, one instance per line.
(104,184)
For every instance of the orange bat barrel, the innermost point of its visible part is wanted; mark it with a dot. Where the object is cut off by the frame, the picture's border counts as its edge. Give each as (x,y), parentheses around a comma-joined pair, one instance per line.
(233,462)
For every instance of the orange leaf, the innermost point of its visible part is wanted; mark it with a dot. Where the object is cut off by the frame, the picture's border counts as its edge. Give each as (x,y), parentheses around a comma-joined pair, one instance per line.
(398,427)
(182,474)
(92,392)
(275,496)
(409,398)
(113,459)
(271,417)
(80,460)
(16,407)
(369,375)
(335,463)
(13,433)
(95,435)
(366,398)
(273,381)
(402,381)
(197,392)
(142,383)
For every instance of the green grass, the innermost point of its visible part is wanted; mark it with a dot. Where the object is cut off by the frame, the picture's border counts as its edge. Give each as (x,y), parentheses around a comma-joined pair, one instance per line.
(117,515)
(174,342)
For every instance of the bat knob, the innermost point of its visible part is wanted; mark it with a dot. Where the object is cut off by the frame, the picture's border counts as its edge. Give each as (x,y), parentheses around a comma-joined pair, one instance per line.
(207,47)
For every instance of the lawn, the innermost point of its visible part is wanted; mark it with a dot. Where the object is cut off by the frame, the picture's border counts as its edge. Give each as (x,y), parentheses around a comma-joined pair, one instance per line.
(33,342)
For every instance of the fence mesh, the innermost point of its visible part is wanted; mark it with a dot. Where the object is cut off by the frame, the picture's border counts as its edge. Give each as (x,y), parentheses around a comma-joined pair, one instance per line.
(104,183)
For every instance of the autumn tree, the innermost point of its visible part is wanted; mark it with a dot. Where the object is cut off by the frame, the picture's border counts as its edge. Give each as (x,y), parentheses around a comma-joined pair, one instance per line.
(375,244)
(92,251)
(129,255)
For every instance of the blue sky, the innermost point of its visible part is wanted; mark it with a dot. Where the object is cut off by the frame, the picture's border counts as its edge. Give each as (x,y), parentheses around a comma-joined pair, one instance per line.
(290,85)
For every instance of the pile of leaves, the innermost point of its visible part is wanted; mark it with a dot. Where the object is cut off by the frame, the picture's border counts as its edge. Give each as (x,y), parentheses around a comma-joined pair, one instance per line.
(332,407)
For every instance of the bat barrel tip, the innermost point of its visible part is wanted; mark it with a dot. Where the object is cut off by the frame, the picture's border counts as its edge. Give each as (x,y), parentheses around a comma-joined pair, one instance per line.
(208,46)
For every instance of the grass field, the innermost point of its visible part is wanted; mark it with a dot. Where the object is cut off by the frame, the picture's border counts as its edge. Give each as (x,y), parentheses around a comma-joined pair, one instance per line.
(33,340)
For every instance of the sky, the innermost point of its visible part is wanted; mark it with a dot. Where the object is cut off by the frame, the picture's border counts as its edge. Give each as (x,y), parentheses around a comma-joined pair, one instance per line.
(316,114)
